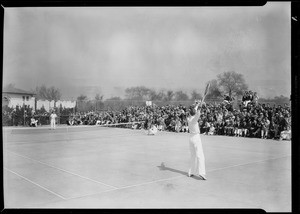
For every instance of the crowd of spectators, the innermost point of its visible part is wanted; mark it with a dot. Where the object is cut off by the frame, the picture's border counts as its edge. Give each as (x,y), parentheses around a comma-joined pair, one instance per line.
(250,119)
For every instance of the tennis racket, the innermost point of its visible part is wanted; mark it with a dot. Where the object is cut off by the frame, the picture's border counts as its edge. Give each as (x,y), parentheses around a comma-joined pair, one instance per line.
(205,92)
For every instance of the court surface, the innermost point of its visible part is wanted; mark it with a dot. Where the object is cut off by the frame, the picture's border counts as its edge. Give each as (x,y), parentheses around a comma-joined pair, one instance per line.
(123,168)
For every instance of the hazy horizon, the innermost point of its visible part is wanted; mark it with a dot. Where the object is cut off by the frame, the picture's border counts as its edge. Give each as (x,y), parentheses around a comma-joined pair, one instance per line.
(108,49)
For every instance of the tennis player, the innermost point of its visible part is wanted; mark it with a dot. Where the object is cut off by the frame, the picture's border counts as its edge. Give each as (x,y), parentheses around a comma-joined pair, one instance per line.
(197,164)
(52,119)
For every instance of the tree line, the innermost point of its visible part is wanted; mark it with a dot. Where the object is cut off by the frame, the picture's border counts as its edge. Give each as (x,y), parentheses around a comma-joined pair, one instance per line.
(228,83)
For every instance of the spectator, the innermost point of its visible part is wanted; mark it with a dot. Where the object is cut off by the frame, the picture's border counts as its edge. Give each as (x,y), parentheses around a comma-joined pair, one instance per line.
(237,129)
(245,128)
(33,122)
(211,129)
(220,119)
(265,128)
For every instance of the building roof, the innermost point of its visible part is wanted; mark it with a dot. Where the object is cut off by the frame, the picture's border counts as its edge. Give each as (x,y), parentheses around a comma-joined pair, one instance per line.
(16,91)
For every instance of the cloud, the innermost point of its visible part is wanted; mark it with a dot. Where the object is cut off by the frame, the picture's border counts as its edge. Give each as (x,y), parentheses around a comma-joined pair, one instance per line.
(105,48)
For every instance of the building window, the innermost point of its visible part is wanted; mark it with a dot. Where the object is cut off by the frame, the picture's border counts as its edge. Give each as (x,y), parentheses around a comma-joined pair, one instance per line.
(23,98)
(27,98)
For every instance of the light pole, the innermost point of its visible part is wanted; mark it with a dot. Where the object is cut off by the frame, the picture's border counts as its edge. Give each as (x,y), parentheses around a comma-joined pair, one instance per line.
(24,111)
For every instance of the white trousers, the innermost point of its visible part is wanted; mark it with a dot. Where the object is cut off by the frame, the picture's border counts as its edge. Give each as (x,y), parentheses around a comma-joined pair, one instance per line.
(52,122)
(197,162)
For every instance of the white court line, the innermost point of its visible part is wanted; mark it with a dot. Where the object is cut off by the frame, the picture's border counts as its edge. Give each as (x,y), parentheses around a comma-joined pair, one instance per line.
(75,139)
(126,187)
(243,164)
(62,170)
(141,184)
(35,183)
(166,179)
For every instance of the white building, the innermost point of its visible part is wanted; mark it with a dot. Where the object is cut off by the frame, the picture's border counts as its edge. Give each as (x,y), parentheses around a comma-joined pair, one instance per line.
(13,97)
(66,104)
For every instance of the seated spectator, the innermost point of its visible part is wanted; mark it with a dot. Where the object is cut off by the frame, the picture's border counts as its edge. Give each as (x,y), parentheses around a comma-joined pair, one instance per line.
(245,128)
(134,126)
(286,135)
(152,130)
(220,128)
(228,129)
(171,126)
(33,122)
(237,129)
(206,127)
(258,127)
(211,129)
(184,127)
(274,131)
(161,124)
(253,128)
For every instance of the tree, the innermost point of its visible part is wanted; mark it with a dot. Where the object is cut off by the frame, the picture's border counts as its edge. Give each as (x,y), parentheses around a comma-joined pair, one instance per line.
(152,95)
(214,90)
(10,86)
(82,98)
(52,93)
(137,93)
(161,95)
(232,83)
(98,97)
(114,98)
(181,96)
(98,101)
(169,96)
(158,96)
(195,95)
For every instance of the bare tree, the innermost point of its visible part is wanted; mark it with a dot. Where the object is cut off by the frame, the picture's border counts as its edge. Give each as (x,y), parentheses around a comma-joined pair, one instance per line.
(98,97)
(51,93)
(10,86)
(232,83)
(137,93)
(181,96)
(214,90)
(82,98)
(170,95)
(195,95)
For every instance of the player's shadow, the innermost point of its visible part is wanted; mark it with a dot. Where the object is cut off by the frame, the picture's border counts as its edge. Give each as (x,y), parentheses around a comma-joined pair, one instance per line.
(164,167)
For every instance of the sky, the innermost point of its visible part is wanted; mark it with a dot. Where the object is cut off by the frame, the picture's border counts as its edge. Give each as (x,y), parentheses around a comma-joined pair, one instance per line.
(108,49)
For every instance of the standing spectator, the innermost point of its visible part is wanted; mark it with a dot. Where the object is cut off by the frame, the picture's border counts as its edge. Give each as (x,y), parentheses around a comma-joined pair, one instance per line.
(274,133)
(255,98)
(265,128)
(177,125)
(52,119)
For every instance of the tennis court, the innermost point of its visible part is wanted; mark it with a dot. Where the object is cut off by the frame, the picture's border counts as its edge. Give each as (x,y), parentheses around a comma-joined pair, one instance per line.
(106,167)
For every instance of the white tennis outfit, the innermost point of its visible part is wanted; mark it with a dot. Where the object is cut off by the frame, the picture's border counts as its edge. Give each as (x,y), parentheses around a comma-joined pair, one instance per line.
(52,120)
(197,165)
